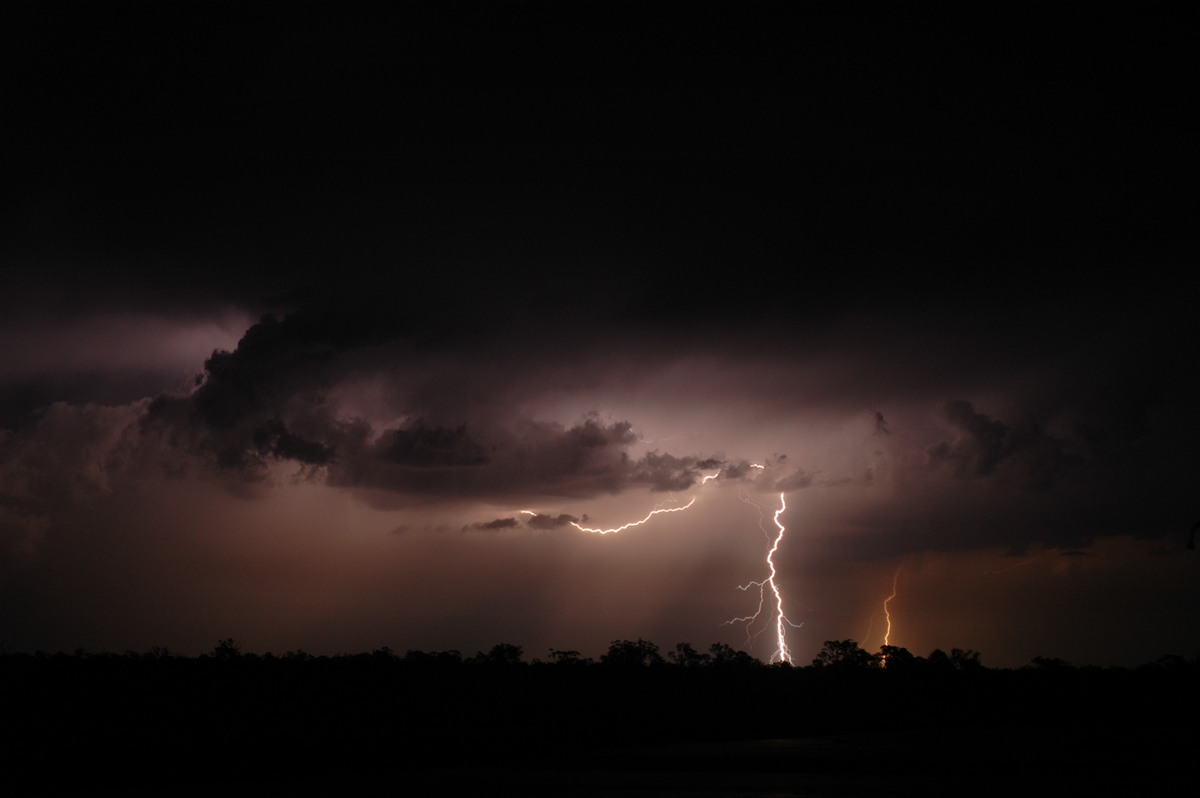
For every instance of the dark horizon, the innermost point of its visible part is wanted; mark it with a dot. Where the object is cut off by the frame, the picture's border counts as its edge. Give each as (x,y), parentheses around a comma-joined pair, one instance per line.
(722,724)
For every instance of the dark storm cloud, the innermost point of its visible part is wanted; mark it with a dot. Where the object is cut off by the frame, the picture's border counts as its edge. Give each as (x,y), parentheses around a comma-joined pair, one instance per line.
(735,470)
(425,447)
(272,399)
(985,445)
(280,369)
(271,438)
(1058,474)
(664,472)
(530,458)
(537,521)
(494,525)
(544,522)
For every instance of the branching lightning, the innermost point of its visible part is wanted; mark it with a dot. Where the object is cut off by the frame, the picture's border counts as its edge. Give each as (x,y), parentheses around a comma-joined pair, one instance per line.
(781,653)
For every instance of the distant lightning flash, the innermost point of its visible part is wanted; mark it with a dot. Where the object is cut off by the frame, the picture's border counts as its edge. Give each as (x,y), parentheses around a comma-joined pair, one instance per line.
(782,653)
(887,635)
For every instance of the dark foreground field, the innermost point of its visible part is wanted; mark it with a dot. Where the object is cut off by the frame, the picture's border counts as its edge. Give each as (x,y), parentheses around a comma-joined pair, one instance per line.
(433,724)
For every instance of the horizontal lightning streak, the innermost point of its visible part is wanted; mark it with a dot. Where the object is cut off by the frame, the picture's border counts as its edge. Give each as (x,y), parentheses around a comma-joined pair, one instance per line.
(656,511)
(623,527)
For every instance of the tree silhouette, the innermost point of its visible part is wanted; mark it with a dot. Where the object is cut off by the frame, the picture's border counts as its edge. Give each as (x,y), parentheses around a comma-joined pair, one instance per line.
(897,658)
(686,656)
(500,655)
(939,660)
(570,658)
(844,655)
(630,654)
(227,649)
(726,656)
(965,659)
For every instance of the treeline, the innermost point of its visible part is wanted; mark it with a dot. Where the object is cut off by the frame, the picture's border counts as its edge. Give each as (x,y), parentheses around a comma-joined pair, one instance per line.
(843,656)
(384,710)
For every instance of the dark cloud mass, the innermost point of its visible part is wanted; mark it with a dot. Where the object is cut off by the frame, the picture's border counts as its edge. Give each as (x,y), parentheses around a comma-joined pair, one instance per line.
(270,400)
(282,319)
(985,445)
(548,522)
(494,525)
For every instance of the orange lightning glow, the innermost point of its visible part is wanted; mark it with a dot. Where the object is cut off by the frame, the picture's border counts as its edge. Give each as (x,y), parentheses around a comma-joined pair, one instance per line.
(887,635)
(781,653)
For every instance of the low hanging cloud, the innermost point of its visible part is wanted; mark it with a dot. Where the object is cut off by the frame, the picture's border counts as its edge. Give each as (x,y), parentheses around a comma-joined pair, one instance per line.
(269,401)
(544,522)
(534,458)
(665,472)
(495,525)
(529,520)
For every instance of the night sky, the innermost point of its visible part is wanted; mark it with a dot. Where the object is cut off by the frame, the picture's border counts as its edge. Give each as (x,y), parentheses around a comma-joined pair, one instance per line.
(302,309)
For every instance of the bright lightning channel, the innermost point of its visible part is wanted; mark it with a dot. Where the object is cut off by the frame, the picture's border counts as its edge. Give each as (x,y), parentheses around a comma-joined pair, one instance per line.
(781,653)
(623,527)
(887,615)
(649,515)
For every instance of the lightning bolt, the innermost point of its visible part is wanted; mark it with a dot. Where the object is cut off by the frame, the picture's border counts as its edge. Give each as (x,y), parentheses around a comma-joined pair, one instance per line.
(887,635)
(781,653)
(623,527)
(656,511)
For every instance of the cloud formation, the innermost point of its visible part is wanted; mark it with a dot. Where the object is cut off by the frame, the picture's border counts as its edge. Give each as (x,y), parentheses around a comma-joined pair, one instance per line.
(273,399)
(984,445)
